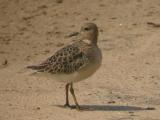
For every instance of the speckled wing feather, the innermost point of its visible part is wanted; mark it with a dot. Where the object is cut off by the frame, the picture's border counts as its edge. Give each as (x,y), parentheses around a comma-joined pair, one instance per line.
(66,60)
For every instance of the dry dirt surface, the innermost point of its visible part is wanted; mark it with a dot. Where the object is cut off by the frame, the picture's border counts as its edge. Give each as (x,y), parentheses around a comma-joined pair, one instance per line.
(126,87)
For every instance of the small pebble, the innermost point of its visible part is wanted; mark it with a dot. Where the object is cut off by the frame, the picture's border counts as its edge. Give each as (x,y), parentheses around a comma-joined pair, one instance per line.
(38,108)
(112,101)
(5,62)
(59,1)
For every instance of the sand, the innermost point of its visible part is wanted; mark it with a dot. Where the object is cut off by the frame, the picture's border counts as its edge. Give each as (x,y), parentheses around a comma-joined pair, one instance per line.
(126,87)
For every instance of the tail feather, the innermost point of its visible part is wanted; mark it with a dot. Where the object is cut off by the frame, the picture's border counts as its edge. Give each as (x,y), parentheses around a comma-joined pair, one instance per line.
(35,67)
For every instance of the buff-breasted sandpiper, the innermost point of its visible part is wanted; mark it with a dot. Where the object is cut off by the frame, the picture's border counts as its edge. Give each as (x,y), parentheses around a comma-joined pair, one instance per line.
(74,62)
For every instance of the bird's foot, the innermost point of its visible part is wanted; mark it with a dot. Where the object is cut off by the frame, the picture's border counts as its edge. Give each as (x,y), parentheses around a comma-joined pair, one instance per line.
(78,108)
(67,106)
(73,107)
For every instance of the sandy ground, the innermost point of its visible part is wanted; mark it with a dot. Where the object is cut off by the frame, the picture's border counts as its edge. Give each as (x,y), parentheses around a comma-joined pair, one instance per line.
(126,85)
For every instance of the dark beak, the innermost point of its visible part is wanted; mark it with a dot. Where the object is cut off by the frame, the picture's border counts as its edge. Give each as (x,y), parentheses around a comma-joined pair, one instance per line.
(72,34)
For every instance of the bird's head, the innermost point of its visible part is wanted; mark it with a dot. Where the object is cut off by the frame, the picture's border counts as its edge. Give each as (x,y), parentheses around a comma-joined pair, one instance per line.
(89,31)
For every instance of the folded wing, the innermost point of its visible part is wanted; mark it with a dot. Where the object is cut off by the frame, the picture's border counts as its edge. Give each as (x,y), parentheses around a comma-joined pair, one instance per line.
(67,60)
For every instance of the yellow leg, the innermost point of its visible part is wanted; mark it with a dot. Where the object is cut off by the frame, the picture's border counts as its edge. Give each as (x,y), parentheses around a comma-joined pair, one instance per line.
(67,99)
(74,97)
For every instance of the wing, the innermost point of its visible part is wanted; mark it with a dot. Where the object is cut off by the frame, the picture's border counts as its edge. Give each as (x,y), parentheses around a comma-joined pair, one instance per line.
(67,60)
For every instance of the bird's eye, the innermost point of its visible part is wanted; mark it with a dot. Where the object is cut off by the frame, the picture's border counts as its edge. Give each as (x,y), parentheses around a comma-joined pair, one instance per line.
(86,29)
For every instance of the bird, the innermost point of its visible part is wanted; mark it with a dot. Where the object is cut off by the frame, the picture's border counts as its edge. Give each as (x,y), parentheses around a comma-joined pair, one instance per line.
(74,62)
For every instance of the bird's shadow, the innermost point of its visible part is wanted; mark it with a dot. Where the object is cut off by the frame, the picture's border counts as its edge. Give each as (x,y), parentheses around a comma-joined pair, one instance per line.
(110,108)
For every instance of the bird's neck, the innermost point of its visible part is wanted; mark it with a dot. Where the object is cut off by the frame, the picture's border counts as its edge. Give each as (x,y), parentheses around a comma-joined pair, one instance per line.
(90,41)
